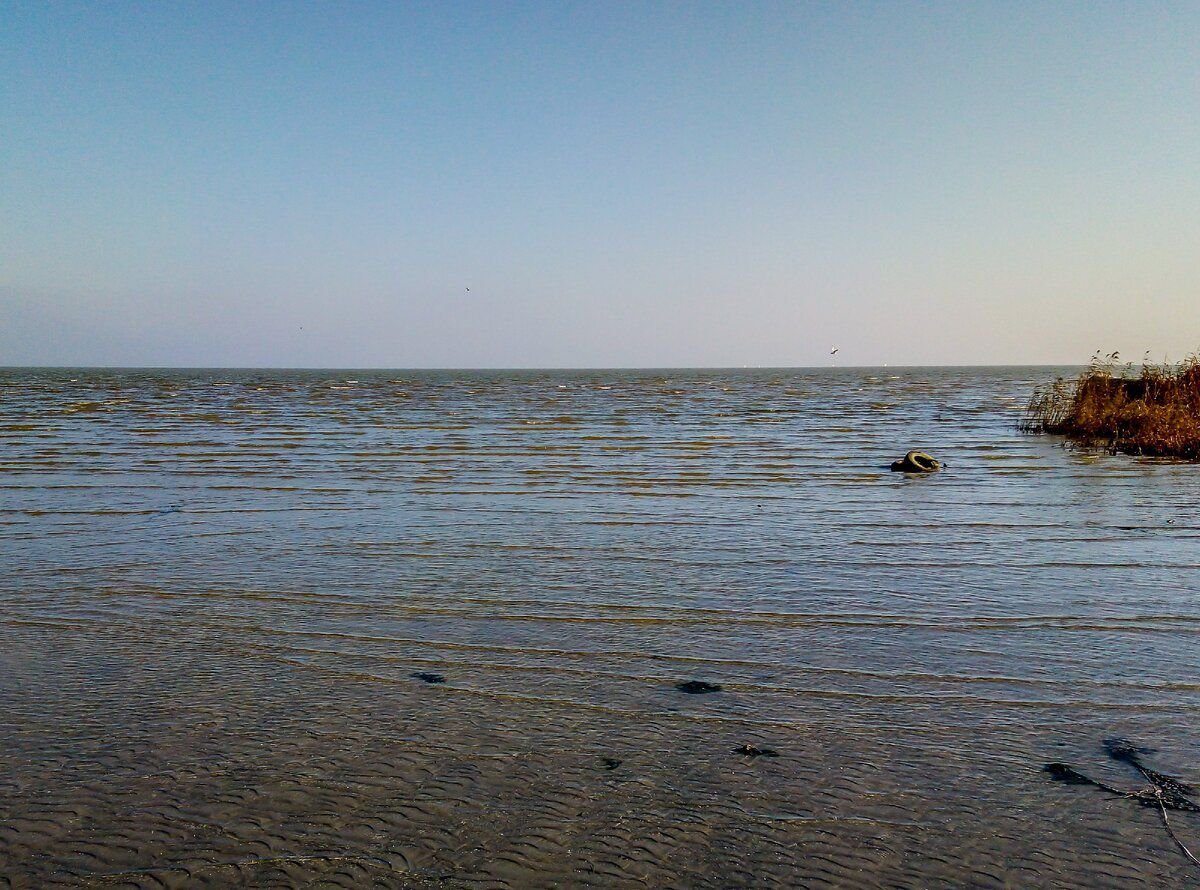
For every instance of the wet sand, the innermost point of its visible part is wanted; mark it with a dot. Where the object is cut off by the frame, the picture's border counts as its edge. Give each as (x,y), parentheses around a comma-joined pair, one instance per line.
(185,764)
(207,681)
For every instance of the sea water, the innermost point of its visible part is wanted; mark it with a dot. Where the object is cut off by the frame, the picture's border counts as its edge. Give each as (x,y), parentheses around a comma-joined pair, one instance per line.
(217,586)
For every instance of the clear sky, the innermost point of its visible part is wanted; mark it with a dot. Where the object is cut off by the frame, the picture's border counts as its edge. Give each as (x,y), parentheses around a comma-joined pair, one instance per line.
(618,184)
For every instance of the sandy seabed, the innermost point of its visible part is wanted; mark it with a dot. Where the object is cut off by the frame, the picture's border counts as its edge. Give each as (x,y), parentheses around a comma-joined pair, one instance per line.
(184,764)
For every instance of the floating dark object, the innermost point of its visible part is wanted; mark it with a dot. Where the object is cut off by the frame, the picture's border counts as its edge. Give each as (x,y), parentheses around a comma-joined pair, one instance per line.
(916,462)
(755,751)
(1164,793)
(611,763)
(697,687)
(427,677)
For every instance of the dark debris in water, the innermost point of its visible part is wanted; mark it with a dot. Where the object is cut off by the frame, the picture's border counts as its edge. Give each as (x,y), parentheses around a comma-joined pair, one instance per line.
(917,462)
(1060,772)
(755,751)
(1164,792)
(427,677)
(697,687)
(1124,751)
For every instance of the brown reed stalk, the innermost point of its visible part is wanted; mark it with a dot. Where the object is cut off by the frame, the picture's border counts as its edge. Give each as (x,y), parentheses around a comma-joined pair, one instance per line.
(1153,412)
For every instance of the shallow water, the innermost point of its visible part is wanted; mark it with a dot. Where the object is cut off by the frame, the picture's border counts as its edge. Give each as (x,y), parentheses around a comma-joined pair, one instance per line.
(218,584)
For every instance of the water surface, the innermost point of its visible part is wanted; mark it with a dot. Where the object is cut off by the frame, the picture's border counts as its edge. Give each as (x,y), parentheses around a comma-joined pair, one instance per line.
(218,584)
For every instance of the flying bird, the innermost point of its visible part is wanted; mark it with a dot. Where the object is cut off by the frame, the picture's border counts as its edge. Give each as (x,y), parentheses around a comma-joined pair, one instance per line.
(834,351)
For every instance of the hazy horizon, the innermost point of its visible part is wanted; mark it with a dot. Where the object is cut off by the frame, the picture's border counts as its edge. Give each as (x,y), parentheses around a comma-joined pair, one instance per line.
(519,368)
(573,185)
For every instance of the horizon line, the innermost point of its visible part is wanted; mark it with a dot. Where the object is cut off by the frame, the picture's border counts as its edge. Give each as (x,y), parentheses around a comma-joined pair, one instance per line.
(49,367)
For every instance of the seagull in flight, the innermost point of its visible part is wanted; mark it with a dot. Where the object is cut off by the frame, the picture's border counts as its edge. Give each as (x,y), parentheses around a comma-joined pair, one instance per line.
(834,351)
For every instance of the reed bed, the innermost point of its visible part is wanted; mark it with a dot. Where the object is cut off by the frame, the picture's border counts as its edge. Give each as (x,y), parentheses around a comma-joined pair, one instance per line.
(1153,412)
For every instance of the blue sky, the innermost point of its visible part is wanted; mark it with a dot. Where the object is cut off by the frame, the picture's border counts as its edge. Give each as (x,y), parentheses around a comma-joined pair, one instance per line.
(618,184)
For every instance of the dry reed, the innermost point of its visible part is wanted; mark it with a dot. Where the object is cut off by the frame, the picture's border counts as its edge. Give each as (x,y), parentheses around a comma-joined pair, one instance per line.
(1154,412)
